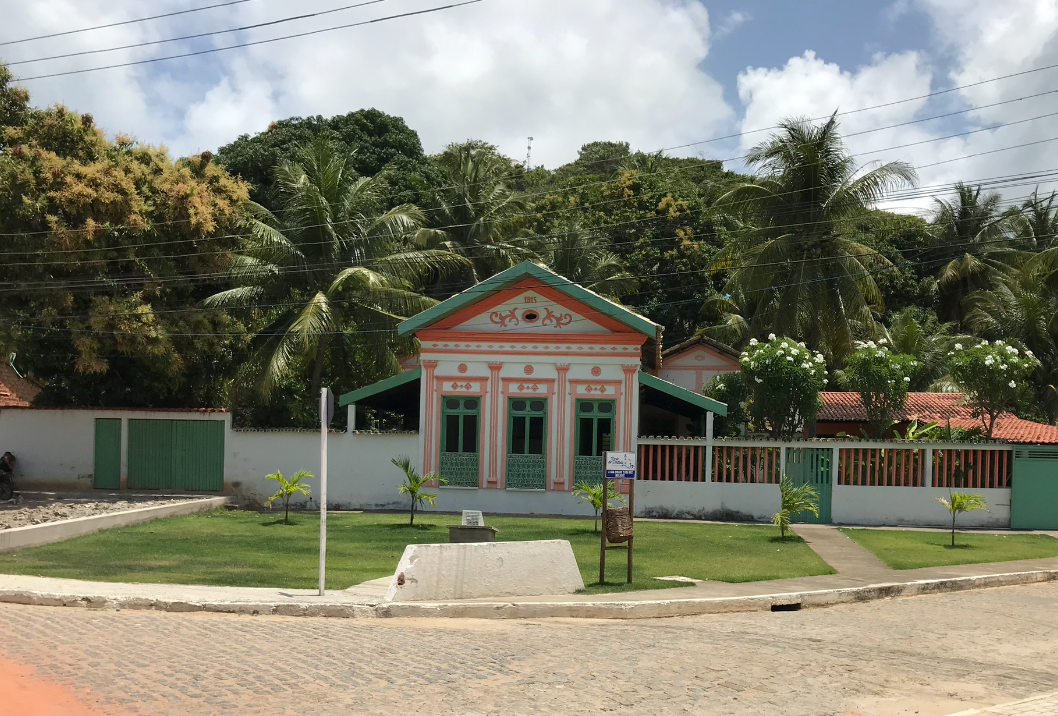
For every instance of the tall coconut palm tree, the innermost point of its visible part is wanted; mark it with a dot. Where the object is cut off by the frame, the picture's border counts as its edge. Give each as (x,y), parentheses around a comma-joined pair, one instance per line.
(1037,225)
(585,257)
(813,282)
(1022,307)
(917,332)
(478,215)
(971,236)
(333,263)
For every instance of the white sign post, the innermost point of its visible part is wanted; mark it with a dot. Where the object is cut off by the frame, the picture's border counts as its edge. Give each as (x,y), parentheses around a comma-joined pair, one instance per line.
(617,466)
(326,414)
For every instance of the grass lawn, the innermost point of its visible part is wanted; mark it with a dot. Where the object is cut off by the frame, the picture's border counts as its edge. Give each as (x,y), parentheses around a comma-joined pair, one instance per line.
(249,549)
(907,549)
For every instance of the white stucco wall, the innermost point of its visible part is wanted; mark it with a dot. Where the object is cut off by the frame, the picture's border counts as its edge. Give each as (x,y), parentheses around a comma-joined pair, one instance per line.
(913,506)
(55,448)
(707,500)
(360,475)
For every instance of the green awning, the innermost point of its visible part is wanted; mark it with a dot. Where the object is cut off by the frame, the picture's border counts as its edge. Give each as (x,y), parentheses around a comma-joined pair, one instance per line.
(399,386)
(672,395)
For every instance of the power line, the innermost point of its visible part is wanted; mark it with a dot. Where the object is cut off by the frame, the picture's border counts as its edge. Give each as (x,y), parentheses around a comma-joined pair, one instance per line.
(123,22)
(201,34)
(256,42)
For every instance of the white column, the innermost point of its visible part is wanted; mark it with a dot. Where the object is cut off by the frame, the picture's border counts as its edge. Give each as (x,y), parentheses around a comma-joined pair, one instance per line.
(782,461)
(709,446)
(927,469)
(351,412)
(835,464)
(323,488)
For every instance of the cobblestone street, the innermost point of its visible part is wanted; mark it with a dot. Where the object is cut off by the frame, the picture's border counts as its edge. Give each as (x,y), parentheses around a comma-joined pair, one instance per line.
(927,655)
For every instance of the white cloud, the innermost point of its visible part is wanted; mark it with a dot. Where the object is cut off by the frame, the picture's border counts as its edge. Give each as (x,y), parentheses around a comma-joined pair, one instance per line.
(980,39)
(565,73)
(734,20)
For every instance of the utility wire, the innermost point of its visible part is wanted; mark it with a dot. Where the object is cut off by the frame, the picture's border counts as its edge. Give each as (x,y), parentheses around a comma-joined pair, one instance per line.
(123,22)
(256,42)
(201,34)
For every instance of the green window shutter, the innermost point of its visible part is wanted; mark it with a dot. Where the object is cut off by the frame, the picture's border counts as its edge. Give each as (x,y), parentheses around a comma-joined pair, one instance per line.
(460,440)
(107,471)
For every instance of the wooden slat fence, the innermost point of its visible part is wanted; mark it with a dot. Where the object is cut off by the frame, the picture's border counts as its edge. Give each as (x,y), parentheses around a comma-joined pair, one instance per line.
(870,465)
(972,468)
(881,467)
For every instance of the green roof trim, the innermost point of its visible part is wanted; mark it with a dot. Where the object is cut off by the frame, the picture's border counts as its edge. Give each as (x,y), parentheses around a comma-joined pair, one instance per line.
(507,278)
(687,396)
(380,387)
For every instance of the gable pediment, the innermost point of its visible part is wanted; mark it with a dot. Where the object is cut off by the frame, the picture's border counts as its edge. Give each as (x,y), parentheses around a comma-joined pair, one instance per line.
(532,310)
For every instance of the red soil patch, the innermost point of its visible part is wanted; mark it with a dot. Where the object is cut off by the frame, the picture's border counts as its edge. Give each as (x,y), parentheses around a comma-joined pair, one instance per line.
(23,693)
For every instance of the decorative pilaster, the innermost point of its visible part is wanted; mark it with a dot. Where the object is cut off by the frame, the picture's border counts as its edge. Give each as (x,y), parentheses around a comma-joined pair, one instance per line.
(628,429)
(563,437)
(492,474)
(429,416)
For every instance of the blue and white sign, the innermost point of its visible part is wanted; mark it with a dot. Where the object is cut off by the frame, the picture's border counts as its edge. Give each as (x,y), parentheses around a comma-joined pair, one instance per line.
(619,465)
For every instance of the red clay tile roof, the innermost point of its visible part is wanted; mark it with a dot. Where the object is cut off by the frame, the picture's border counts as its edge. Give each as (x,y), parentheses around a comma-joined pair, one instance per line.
(941,407)
(15,392)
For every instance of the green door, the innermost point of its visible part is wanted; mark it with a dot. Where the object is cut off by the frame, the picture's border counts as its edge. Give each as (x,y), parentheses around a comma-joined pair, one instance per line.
(812,466)
(198,455)
(460,440)
(176,455)
(527,444)
(1034,489)
(594,436)
(107,472)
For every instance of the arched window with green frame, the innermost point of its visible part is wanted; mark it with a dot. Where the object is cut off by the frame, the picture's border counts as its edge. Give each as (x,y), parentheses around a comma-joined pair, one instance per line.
(595,430)
(460,440)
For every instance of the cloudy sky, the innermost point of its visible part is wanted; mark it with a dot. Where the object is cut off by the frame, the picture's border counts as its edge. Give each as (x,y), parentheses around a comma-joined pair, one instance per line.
(661,74)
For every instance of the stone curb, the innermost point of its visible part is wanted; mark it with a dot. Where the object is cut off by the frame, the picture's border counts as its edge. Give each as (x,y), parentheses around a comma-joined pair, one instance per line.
(49,532)
(609,609)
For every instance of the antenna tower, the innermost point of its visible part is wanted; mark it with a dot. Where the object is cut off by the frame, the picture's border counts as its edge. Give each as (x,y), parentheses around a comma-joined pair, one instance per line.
(529,155)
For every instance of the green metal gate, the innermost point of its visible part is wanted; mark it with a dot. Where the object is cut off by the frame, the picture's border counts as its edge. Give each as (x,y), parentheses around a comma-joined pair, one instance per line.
(176,455)
(812,466)
(1034,488)
(106,475)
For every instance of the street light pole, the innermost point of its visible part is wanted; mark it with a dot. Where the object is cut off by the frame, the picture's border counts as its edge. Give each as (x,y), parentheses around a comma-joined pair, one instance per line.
(326,403)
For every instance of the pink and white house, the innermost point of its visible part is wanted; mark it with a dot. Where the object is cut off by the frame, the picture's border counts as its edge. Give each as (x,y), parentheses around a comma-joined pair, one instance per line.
(692,364)
(525,379)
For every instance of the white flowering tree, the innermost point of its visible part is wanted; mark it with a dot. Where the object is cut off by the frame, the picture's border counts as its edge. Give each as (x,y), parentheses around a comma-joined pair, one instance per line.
(784,380)
(882,379)
(995,377)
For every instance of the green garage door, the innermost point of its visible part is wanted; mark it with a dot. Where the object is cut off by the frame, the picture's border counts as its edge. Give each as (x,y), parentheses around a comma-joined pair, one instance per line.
(107,472)
(176,455)
(1034,488)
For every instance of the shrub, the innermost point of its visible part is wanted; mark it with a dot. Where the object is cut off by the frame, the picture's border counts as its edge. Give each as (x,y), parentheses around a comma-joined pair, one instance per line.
(287,489)
(784,380)
(995,377)
(794,499)
(882,379)
(591,492)
(730,389)
(413,484)
(960,503)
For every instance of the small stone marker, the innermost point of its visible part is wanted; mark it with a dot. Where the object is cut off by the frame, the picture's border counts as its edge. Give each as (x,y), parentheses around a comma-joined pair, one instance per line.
(473,529)
(473,518)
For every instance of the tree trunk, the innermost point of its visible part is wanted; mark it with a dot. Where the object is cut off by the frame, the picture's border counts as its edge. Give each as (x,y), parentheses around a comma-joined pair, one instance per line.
(411,523)
(286,511)
(953,529)
(317,368)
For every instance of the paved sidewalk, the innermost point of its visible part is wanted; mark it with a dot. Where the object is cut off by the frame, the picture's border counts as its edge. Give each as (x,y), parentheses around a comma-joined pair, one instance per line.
(1043,705)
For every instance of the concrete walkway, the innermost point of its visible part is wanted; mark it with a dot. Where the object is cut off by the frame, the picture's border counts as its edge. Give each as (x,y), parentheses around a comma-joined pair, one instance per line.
(1043,705)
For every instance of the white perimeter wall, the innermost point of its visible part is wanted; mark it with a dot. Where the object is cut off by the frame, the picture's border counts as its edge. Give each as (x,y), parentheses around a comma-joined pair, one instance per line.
(913,506)
(707,500)
(55,450)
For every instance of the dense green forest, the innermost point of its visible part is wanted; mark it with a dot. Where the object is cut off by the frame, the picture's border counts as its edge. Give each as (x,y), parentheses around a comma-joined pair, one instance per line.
(249,276)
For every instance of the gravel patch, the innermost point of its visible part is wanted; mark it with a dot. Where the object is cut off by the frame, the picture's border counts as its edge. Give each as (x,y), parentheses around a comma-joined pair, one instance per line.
(36,511)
